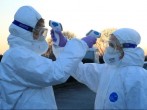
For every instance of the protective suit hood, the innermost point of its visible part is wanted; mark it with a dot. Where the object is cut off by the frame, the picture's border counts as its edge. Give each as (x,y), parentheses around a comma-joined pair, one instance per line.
(21,37)
(28,16)
(127,35)
(132,56)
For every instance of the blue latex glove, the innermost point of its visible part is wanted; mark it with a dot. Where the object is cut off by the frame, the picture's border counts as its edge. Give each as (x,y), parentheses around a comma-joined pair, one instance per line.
(59,40)
(89,40)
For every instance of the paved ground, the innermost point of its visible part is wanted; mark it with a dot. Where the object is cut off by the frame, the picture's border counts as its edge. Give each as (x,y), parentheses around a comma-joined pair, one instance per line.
(74,95)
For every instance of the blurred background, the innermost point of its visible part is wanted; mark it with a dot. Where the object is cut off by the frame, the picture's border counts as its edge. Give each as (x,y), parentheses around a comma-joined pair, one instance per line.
(78,17)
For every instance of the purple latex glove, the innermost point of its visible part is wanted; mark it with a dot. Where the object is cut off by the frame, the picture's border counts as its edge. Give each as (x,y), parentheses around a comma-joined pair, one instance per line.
(89,40)
(59,40)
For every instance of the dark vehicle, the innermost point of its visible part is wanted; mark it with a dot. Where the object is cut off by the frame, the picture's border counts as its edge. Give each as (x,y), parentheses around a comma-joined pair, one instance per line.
(91,56)
(1,57)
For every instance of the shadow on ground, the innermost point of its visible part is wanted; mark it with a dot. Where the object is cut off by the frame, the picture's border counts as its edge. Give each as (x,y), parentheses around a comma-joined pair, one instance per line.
(74,95)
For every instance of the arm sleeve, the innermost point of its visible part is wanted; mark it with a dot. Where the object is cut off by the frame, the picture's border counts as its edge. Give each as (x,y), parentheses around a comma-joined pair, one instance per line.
(36,71)
(57,50)
(89,74)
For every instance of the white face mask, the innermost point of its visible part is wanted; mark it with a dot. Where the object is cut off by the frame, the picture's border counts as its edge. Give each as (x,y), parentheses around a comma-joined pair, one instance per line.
(40,47)
(111,56)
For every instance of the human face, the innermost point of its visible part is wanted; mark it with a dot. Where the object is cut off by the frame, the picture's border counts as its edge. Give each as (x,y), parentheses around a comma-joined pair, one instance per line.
(115,44)
(40,32)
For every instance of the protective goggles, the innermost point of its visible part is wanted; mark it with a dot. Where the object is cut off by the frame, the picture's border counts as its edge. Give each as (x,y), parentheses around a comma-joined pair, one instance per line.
(110,43)
(41,32)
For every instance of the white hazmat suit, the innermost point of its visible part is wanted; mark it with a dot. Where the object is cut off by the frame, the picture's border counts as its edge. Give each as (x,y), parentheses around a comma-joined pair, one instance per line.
(121,86)
(27,78)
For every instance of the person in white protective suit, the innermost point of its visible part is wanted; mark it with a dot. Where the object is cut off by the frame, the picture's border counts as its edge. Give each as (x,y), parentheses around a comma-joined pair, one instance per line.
(27,77)
(121,82)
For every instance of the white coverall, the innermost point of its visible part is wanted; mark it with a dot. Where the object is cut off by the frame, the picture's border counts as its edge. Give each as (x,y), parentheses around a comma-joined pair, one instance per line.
(26,79)
(117,87)
(128,81)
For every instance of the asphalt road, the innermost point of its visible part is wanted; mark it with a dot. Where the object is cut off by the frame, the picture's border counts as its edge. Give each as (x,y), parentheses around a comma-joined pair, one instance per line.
(74,95)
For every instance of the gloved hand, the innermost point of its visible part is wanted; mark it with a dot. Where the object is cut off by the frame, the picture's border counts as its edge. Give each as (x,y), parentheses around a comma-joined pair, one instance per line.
(59,40)
(89,40)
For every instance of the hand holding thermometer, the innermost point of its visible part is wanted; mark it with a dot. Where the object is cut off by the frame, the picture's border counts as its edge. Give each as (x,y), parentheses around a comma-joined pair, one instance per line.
(56,26)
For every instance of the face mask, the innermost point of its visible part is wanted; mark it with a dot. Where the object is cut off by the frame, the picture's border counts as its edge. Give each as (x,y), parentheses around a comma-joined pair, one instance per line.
(111,56)
(40,47)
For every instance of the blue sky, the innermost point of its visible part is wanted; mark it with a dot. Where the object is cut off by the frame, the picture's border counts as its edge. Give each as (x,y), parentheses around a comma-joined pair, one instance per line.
(79,16)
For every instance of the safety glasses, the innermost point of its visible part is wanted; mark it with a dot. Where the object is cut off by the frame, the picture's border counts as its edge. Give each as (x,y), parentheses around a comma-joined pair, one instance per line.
(41,33)
(113,45)
(109,43)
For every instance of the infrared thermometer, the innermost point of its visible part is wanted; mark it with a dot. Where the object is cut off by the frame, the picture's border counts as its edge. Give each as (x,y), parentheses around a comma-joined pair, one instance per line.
(94,33)
(56,26)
